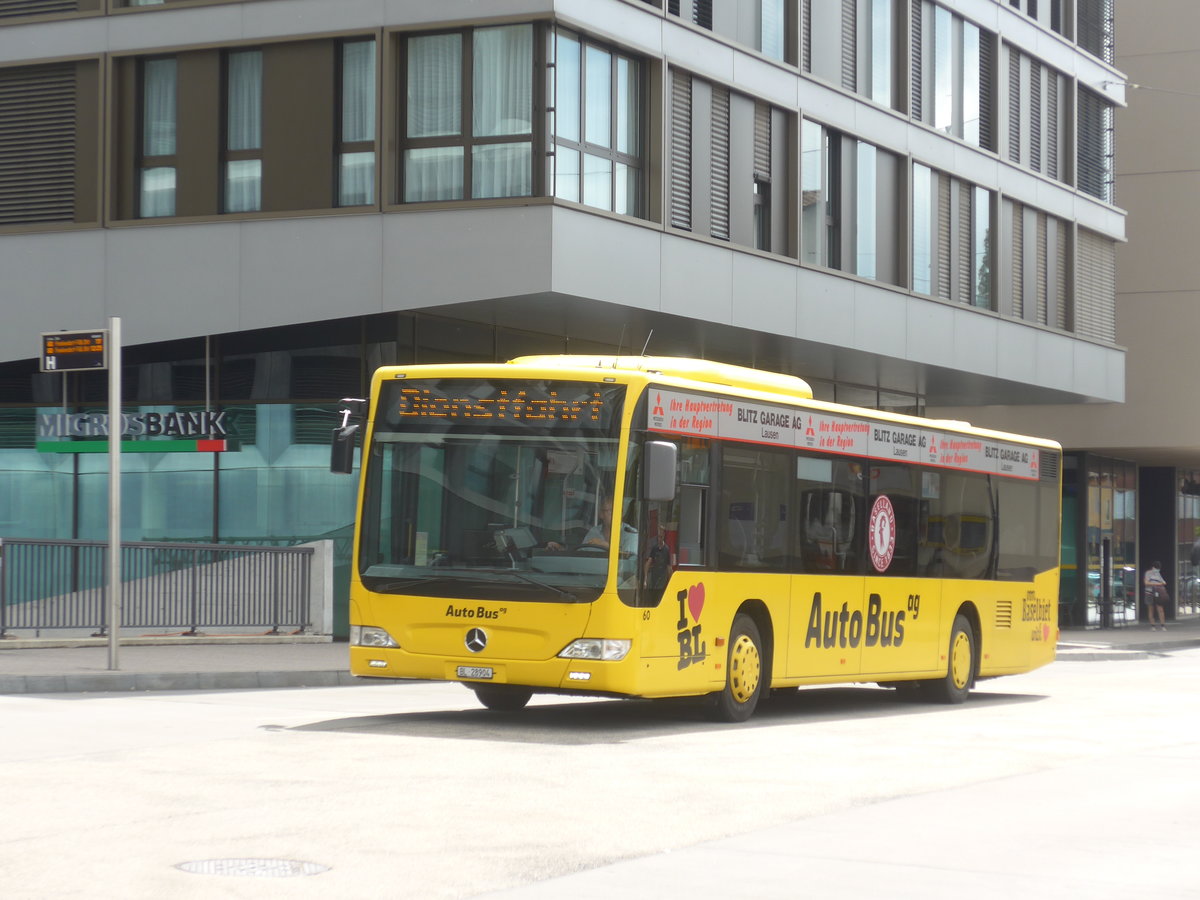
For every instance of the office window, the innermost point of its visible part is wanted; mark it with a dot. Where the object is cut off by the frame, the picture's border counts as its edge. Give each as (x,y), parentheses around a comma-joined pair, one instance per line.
(1095,146)
(719,157)
(829,40)
(762,214)
(243,131)
(468,121)
(356,150)
(882,31)
(981,250)
(866,211)
(943,70)
(971,85)
(1037,268)
(819,169)
(681,150)
(1095,25)
(771,28)
(922,240)
(276,128)
(953,256)
(953,69)
(597,99)
(1095,288)
(159,113)
(1035,96)
(724,173)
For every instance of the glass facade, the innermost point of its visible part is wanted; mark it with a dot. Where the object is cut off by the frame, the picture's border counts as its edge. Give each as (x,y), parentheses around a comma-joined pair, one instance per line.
(1099,538)
(274,394)
(1187,529)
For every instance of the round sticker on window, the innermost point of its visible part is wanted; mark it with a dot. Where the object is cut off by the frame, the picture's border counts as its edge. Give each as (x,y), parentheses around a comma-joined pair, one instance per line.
(882,534)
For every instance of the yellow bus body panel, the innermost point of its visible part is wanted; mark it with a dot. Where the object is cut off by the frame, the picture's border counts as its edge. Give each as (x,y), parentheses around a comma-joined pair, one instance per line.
(819,630)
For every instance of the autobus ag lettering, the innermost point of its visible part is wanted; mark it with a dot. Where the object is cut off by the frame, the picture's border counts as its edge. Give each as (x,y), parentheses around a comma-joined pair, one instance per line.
(885,628)
(479,612)
(840,628)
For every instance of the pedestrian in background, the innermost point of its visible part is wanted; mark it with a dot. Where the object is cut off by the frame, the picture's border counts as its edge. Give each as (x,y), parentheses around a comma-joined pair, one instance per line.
(1156,595)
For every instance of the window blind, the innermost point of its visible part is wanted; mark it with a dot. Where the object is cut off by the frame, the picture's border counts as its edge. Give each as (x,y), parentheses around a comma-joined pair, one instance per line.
(37,144)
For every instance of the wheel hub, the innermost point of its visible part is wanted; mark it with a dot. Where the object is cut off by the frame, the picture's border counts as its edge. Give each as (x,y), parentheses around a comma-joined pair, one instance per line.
(960,660)
(745,669)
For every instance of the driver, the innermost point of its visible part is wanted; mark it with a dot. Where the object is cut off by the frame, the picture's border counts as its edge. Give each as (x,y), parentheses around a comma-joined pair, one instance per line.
(597,536)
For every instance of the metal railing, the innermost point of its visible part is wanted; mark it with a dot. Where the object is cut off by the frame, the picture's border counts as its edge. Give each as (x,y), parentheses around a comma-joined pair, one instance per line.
(46,585)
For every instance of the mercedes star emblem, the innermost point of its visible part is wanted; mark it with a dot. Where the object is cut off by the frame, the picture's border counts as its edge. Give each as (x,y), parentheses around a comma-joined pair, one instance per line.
(476,640)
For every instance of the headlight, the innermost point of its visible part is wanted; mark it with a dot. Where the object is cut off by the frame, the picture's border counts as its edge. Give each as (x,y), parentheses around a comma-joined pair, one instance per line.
(596,648)
(368,636)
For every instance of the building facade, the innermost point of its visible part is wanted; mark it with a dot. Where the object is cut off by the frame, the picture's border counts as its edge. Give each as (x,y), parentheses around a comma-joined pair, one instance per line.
(1135,483)
(908,203)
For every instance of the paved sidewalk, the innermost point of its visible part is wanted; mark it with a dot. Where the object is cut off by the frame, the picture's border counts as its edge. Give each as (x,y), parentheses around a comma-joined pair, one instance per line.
(183,664)
(227,663)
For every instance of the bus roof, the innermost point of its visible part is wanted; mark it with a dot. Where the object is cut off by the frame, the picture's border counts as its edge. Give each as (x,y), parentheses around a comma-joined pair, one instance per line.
(703,370)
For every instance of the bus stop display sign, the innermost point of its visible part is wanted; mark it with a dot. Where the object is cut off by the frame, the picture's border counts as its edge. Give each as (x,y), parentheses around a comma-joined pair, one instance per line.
(73,351)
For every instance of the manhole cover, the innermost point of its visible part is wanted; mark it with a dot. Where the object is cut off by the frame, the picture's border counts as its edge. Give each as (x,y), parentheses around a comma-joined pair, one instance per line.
(253,868)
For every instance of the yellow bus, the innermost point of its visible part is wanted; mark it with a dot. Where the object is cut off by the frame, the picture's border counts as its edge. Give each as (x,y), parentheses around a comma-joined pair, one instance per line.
(666,527)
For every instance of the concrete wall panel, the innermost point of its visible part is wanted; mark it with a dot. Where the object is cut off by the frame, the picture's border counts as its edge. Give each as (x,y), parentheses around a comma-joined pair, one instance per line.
(697,280)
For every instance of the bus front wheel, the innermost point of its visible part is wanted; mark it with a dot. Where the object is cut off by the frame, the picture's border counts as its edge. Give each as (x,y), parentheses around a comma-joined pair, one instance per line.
(960,667)
(502,697)
(743,674)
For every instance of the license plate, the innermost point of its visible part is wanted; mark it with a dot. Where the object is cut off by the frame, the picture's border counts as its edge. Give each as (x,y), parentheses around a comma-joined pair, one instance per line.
(476,672)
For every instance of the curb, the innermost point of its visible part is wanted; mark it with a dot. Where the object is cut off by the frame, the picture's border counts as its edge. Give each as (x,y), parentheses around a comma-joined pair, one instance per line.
(112,682)
(1102,654)
(163,641)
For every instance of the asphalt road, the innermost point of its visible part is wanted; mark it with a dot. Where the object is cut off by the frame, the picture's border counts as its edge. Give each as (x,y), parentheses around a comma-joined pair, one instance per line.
(1074,781)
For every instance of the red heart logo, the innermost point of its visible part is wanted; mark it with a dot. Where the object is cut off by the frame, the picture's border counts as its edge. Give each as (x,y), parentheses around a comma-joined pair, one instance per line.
(696,600)
(1045,632)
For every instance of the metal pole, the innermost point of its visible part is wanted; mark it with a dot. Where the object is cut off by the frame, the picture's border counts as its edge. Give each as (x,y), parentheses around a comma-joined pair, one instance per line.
(3,594)
(115,428)
(1106,604)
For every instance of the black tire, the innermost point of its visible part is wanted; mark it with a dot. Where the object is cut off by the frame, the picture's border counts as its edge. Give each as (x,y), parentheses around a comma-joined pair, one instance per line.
(502,697)
(960,667)
(744,675)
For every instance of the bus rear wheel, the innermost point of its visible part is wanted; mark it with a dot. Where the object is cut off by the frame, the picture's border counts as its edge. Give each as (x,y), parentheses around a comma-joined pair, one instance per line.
(743,674)
(960,668)
(502,697)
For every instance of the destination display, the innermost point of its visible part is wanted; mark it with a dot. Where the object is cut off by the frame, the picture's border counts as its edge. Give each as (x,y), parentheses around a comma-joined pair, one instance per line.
(491,403)
(786,426)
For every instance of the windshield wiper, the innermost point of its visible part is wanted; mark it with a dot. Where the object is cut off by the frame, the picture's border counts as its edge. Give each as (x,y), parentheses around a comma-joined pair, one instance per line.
(398,585)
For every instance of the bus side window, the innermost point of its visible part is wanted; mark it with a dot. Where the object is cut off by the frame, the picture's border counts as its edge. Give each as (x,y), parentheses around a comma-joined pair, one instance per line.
(670,533)
(965,515)
(898,484)
(753,518)
(830,522)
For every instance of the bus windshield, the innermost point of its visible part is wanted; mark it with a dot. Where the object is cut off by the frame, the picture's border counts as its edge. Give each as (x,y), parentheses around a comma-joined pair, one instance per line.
(490,489)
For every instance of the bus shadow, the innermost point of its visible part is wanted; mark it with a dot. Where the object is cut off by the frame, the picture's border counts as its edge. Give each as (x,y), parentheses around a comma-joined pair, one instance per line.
(621,721)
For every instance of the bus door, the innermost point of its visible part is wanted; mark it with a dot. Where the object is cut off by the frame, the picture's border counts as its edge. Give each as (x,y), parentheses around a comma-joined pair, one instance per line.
(901,628)
(828,603)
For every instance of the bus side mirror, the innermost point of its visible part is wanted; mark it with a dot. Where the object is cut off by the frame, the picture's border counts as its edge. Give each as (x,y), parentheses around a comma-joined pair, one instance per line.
(341,449)
(658,482)
(344,437)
